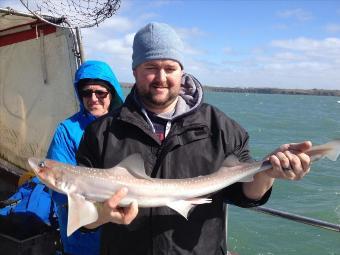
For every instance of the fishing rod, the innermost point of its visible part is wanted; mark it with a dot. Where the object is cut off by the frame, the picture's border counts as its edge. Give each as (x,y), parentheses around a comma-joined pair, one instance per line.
(298,218)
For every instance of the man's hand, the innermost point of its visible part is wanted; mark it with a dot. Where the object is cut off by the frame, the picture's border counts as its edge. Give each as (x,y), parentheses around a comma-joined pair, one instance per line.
(290,161)
(110,211)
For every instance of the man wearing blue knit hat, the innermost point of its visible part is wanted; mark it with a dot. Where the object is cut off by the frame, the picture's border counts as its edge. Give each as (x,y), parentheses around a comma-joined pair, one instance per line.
(179,136)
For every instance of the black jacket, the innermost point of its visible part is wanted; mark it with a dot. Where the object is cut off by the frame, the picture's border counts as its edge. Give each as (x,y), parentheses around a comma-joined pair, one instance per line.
(197,144)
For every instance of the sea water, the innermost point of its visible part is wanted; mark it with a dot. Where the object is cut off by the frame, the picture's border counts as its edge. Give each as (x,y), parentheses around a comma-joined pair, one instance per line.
(272,120)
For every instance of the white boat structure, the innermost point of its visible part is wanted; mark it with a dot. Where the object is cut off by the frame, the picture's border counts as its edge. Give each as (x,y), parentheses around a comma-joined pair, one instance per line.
(37,65)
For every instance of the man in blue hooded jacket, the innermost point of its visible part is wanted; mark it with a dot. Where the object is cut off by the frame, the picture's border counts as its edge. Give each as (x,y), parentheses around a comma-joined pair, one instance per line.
(98,92)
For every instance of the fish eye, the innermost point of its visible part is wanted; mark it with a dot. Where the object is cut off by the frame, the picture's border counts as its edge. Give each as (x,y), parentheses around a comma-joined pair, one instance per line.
(42,164)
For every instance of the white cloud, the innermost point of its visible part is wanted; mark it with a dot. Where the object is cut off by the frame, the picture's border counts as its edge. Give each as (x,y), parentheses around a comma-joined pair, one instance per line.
(190,32)
(281,26)
(147,16)
(333,28)
(295,63)
(327,45)
(110,46)
(287,56)
(227,50)
(303,55)
(190,50)
(113,46)
(188,35)
(160,3)
(300,65)
(271,75)
(117,23)
(298,14)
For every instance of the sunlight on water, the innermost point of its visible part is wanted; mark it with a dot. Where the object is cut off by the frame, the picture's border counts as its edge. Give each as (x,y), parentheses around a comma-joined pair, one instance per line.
(337,211)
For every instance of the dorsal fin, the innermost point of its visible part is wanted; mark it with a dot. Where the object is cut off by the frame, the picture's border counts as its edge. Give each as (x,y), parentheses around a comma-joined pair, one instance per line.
(231,161)
(133,165)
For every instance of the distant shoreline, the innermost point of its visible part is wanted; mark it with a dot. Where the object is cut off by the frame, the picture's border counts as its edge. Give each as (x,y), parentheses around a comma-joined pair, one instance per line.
(308,92)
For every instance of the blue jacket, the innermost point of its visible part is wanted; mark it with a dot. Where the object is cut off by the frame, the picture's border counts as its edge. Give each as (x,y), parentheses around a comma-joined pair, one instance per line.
(64,146)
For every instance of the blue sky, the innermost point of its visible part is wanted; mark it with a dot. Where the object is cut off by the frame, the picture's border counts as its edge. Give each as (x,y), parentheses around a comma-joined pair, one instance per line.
(285,44)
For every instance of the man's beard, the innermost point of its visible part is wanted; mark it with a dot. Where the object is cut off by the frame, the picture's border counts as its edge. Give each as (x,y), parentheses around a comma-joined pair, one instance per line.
(149,98)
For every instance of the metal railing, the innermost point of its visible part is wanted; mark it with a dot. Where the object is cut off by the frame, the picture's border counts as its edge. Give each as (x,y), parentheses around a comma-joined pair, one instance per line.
(298,218)
(286,215)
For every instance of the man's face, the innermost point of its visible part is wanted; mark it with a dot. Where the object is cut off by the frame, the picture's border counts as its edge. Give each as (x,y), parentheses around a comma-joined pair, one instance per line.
(158,84)
(96,99)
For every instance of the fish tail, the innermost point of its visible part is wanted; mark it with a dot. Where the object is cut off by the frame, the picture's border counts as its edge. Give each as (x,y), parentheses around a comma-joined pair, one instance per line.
(330,150)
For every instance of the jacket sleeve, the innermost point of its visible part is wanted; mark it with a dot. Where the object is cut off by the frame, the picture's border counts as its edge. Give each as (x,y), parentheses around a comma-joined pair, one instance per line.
(62,147)
(234,195)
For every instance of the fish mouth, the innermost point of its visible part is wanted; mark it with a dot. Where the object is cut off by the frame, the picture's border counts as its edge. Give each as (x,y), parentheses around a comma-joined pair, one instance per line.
(35,164)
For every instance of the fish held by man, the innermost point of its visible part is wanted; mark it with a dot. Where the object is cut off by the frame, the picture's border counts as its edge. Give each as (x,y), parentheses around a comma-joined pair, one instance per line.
(86,186)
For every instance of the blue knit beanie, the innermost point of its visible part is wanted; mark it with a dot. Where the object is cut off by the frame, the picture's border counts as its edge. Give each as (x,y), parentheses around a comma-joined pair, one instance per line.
(156,41)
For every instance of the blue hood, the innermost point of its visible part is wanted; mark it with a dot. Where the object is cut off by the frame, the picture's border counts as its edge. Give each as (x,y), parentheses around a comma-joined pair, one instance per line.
(93,69)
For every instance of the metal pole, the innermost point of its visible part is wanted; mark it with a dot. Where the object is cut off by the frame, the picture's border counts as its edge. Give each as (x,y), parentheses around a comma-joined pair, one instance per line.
(10,11)
(226,224)
(298,218)
(80,45)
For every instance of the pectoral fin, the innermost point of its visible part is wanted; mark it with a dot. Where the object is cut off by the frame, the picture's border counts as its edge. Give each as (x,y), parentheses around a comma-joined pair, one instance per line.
(183,207)
(231,161)
(80,212)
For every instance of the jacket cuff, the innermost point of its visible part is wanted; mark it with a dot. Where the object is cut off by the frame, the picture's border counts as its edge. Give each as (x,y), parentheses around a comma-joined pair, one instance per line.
(238,198)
